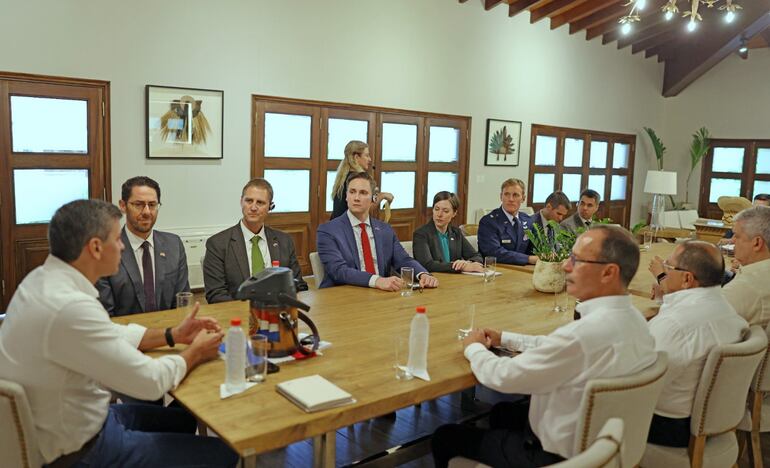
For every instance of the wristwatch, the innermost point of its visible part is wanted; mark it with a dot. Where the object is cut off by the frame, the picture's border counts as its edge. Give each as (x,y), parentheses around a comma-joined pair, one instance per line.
(169,337)
(660,277)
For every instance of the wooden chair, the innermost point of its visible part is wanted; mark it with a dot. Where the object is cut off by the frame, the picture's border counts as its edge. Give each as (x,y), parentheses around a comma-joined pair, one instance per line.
(719,405)
(757,417)
(318,268)
(18,445)
(469,229)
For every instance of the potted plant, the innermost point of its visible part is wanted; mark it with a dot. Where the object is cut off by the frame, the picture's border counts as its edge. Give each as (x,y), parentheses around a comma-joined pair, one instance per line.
(698,148)
(551,252)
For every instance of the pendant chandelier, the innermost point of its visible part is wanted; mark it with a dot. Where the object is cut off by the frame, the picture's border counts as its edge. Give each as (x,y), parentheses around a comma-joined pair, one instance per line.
(670,9)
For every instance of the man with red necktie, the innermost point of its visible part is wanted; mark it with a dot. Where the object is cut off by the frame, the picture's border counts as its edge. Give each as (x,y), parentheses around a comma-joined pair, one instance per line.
(361,251)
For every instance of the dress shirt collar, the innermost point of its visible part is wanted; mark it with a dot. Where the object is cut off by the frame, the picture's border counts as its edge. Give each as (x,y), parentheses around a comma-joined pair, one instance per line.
(756,267)
(355,221)
(604,302)
(684,296)
(136,241)
(585,221)
(247,234)
(79,281)
(508,215)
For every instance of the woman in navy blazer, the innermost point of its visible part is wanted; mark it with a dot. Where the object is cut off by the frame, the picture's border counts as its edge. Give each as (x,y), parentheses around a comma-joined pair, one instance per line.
(458,255)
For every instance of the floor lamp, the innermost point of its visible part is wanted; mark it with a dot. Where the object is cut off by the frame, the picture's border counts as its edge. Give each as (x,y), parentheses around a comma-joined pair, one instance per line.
(659,183)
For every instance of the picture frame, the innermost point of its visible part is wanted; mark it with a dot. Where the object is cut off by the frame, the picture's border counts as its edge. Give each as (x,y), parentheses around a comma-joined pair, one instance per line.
(184,123)
(501,146)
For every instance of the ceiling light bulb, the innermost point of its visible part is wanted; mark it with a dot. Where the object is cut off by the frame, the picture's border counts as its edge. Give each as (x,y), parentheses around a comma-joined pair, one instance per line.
(729,16)
(640,4)
(743,49)
(668,16)
(691,26)
(626,28)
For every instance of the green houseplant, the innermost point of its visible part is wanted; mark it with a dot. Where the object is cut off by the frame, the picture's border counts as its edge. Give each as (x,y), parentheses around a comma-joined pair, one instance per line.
(698,149)
(551,252)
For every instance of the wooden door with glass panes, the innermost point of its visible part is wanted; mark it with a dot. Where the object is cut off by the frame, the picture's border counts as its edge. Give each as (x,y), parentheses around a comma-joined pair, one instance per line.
(54,148)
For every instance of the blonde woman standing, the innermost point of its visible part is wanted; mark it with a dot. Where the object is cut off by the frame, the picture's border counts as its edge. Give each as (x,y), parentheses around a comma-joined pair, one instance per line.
(357,159)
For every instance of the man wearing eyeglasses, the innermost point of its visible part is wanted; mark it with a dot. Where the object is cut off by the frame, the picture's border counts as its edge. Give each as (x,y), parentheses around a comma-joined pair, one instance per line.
(694,317)
(153,267)
(610,340)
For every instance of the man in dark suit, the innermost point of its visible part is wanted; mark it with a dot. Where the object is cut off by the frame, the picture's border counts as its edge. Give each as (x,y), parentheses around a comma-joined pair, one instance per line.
(153,267)
(584,216)
(239,252)
(345,245)
(557,205)
(501,232)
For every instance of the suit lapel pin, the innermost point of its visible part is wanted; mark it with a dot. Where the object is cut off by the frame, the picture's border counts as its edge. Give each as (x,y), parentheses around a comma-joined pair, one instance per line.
(162,254)
(275,244)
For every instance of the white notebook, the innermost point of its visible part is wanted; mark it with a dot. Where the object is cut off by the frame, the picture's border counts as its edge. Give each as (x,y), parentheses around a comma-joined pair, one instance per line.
(314,393)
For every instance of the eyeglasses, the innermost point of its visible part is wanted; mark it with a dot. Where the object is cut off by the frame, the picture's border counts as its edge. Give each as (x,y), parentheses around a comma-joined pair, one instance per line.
(572,260)
(139,206)
(672,267)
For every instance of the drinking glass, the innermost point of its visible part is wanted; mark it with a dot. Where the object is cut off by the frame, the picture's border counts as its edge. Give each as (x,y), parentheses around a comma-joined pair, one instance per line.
(407,276)
(560,297)
(184,304)
(465,320)
(257,357)
(490,266)
(647,240)
(401,358)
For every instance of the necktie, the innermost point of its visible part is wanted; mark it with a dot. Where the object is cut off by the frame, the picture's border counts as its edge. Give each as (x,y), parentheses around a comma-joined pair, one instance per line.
(588,223)
(257,261)
(149,279)
(367,248)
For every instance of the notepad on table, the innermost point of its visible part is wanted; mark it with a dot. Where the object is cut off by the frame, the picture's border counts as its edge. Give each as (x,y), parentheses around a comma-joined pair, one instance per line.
(314,393)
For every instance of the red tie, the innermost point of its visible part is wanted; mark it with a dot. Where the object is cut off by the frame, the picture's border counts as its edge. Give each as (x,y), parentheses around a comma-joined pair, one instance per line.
(367,248)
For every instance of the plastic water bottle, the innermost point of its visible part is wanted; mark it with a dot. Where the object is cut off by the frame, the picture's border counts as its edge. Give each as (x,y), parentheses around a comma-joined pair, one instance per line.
(418,343)
(235,354)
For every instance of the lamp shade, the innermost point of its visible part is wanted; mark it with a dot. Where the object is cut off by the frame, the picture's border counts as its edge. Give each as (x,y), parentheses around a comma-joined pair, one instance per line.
(663,182)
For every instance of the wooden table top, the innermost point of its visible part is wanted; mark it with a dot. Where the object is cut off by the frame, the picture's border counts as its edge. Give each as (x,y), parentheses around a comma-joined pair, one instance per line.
(361,324)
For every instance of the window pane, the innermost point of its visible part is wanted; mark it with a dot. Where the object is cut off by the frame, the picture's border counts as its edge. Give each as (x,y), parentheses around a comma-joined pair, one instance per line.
(341,132)
(291,189)
(45,125)
(443,144)
(330,176)
(596,182)
(543,186)
(438,181)
(570,185)
(728,160)
(34,205)
(399,142)
(401,185)
(760,186)
(763,161)
(724,187)
(545,150)
(620,156)
(618,190)
(598,154)
(573,152)
(287,135)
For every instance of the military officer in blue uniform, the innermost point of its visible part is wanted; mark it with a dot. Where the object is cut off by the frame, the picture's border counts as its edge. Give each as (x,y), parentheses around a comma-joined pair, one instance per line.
(501,232)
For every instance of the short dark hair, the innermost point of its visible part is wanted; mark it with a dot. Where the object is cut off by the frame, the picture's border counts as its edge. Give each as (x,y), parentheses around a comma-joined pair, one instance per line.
(620,248)
(362,175)
(448,196)
(138,181)
(591,193)
(75,223)
(557,199)
(762,197)
(703,260)
(258,183)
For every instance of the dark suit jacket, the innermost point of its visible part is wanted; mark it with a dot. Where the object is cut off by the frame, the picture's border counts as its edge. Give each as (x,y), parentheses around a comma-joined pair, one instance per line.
(339,253)
(426,247)
(498,238)
(226,264)
(123,292)
(537,218)
(573,222)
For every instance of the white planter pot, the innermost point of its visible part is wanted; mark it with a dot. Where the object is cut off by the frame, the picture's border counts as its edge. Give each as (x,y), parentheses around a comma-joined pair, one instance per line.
(548,277)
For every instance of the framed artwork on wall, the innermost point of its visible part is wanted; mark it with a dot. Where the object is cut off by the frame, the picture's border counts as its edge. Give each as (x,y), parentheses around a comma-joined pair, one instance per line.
(184,123)
(502,143)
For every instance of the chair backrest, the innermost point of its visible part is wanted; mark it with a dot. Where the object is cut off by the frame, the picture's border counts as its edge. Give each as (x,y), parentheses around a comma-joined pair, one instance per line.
(474,241)
(605,452)
(18,445)
(318,268)
(761,382)
(720,400)
(631,398)
(407,245)
(469,229)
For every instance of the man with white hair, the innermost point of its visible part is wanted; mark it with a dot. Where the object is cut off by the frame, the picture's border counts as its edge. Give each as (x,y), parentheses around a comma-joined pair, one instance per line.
(746,292)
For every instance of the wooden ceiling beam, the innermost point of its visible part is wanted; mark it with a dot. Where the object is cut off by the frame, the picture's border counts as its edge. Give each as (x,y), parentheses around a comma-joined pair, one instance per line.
(610,13)
(652,41)
(554,8)
(517,6)
(489,4)
(644,31)
(647,18)
(697,55)
(581,11)
(653,51)
(602,28)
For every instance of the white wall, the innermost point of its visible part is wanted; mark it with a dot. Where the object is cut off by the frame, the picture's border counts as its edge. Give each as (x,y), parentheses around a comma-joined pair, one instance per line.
(732,100)
(428,55)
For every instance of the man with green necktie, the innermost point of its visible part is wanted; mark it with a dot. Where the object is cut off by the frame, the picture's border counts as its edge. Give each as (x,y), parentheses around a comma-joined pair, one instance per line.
(245,249)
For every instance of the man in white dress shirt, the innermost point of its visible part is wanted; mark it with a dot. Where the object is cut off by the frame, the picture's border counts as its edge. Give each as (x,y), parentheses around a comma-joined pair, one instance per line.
(611,339)
(747,292)
(59,344)
(693,319)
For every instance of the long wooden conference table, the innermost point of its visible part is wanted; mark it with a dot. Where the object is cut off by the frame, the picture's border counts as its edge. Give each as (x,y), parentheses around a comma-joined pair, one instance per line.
(361,324)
